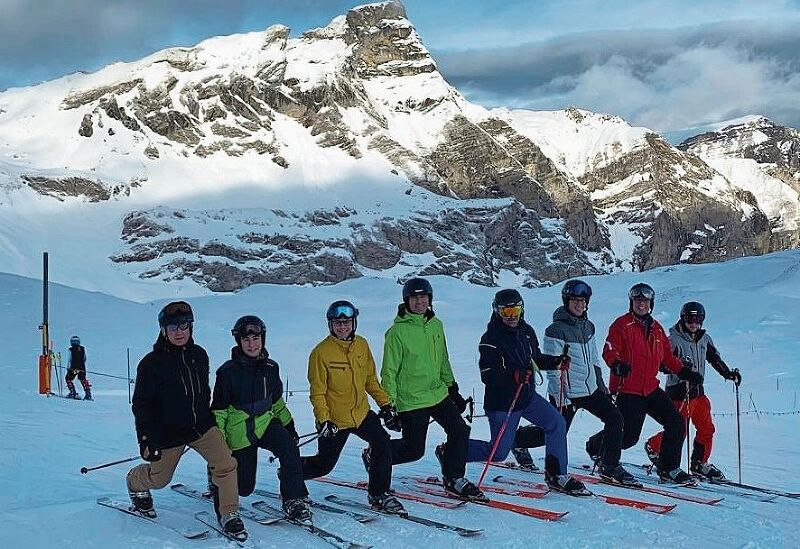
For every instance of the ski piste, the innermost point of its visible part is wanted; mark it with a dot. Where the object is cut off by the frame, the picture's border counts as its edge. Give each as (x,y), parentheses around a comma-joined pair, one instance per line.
(526,510)
(360,517)
(401,495)
(465,532)
(246,513)
(598,480)
(612,500)
(206,518)
(535,493)
(126,508)
(329,537)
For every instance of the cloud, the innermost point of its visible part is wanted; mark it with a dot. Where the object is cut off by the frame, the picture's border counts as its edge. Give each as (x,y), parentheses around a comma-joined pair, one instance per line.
(666,79)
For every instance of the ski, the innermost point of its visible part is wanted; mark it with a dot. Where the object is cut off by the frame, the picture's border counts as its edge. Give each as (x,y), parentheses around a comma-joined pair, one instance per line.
(245,513)
(401,495)
(762,489)
(126,508)
(652,490)
(534,494)
(206,518)
(360,517)
(612,500)
(465,532)
(329,537)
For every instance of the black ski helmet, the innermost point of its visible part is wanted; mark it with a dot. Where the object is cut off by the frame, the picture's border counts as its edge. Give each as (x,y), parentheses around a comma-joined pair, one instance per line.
(693,308)
(74,341)
(506,298)
(417,286)
(249,325)
(642,290)
(342,309)
(176,312)
(576,288)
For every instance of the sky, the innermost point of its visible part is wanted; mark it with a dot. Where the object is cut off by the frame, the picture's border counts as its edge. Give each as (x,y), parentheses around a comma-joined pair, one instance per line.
(669,66)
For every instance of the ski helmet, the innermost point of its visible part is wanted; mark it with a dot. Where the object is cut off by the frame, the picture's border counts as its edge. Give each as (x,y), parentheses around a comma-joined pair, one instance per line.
(176,312)
(508,299)
(575,288)
(249,325)
(74,341)
(342,310)
(642,290)
(693,310)
(417,286)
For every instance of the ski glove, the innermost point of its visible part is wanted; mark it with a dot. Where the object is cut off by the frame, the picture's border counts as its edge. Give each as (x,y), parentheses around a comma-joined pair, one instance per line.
(621,369)
(390,417)
(522,376)
(455,396)
(149,451)
(687,374)
(292,431)
(734,375)
(327,429)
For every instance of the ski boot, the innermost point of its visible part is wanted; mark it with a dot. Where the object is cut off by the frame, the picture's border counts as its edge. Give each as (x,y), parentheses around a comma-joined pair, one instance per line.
(387,503)
(73,394)
(87,394)
(233,527)
(464,489)
(619,475)
(297,510)
(707,471)
(566,484)
(675,476)
(524,459)
(142,503)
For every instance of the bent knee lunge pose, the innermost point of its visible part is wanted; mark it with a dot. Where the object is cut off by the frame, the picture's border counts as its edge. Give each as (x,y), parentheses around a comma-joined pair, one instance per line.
(171,407)
(249,409)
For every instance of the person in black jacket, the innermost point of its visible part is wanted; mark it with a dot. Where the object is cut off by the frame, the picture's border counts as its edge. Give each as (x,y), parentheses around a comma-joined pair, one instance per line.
(171,407)
(250,411)
(77,367)
(509,352)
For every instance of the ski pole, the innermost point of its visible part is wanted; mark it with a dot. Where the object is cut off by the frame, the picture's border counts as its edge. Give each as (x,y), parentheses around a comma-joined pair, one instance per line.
(500,434)
(738,433)
(563,381)
(312,439)
(312,433)
(85,470)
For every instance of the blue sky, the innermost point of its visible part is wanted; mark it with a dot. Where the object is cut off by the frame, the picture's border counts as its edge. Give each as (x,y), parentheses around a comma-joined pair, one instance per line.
(666,65)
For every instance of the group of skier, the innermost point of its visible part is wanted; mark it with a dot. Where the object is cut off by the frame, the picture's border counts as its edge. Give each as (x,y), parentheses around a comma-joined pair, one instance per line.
(174,407)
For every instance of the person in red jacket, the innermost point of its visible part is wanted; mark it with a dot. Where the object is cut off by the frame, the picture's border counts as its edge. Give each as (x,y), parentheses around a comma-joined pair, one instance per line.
(636,349)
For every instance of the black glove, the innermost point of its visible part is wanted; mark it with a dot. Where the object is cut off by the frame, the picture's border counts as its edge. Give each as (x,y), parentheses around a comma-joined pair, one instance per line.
(621,369)
(687,362)
(292,431)
(733,375)
(455,396)
(327,429)
(687,374)
(149,451)
(390,417)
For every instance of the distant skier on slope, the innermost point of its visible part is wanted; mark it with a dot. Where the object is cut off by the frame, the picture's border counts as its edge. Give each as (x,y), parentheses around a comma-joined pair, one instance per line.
(171,407)
(690,340)
(76,366)
(636,349)
(509,350)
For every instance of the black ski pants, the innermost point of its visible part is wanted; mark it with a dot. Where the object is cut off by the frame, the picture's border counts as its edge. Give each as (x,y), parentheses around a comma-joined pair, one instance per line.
(277,440)
(380,454)
(411,446)
(659,406)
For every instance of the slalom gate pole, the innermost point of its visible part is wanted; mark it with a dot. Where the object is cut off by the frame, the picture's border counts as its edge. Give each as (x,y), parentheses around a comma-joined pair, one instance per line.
(500,434)
(738,432)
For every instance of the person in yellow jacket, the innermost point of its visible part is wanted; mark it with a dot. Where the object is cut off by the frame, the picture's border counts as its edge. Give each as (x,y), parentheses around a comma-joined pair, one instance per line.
(341,371)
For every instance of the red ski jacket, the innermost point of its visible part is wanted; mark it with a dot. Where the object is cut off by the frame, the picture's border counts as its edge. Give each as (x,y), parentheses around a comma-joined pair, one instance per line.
(627,341)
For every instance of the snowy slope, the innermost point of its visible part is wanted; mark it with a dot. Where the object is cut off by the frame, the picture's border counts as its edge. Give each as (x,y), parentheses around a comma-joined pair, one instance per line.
(752,305)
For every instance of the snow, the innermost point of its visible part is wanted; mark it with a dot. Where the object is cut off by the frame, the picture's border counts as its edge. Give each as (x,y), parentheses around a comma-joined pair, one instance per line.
(753,309)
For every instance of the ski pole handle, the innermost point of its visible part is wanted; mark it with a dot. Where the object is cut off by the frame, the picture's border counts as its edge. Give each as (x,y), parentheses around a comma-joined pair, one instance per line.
(85,470)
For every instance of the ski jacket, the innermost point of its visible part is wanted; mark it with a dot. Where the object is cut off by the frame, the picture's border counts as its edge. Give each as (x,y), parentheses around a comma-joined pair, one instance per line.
(341,374)
(642,343)
(171,398)
(503,350)
(698,349)
(77,358)
(584,376)
(248,395)
(416,370)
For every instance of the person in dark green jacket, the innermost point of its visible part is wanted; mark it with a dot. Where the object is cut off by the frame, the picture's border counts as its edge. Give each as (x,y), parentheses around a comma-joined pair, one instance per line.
(417,376)
(250,411)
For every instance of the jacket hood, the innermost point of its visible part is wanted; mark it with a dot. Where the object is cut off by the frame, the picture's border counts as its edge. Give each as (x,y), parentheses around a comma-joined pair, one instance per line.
(404,315)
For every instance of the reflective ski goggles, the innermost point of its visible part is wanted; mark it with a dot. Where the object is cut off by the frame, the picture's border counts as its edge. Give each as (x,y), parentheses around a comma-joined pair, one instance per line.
(182,326)
(693,319)
(251,330)
(642,292)
(343,311)
(580,289)
(510,311)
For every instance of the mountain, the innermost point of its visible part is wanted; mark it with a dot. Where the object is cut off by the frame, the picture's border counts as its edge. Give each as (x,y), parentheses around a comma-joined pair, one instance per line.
(339,154)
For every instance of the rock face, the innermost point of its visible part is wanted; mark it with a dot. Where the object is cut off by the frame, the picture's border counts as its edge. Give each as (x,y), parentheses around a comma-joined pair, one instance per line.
(365,89)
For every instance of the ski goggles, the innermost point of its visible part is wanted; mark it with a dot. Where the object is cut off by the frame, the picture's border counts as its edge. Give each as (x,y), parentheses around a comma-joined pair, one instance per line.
(510,311)
(252,330)
(642,292)
(580,289)
(343,311)
(176,312)
(182,326)
(693,319)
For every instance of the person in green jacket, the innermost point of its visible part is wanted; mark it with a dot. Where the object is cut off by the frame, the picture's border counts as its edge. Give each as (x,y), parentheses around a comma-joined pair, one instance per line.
(249,409)
(417,376)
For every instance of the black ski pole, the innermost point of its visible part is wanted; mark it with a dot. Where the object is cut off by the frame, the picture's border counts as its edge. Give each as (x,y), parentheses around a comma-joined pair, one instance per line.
(312,439)
(738,432)
(85,470)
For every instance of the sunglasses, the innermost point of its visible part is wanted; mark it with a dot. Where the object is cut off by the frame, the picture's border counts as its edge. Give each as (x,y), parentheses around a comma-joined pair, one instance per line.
(343,311)
(183,326)
(510,311)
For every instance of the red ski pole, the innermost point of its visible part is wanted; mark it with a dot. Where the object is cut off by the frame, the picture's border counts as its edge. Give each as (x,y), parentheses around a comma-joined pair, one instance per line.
(500,434)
